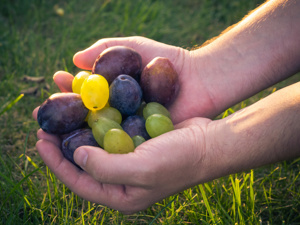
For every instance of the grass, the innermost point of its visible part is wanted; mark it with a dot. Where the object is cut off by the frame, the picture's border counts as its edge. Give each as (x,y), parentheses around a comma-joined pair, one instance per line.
(35,41)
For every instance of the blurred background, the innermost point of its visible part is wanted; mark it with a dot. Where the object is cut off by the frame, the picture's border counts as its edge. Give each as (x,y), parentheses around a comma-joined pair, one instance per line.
(39,37)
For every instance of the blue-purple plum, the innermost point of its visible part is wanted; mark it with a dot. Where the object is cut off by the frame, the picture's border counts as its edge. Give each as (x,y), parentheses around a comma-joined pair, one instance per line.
(125,94)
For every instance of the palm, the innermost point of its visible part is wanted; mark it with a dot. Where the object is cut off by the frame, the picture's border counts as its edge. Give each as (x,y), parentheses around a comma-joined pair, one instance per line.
(132,182)
(193,98)
(121,187)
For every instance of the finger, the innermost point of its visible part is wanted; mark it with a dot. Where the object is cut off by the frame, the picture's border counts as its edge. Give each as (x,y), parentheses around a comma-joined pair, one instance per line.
(35,112)
(147,48)
(63,169)
(49,137)
(85,59)
(54,159)
(78,181)
(63,80)
(127,169)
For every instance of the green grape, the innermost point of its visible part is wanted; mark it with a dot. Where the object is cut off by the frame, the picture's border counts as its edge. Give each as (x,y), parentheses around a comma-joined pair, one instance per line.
(78,80)
(101,126)
(118,141)
(95,92)
(137,140)
(108,112)
(155,108)
(158,124)
(141,109)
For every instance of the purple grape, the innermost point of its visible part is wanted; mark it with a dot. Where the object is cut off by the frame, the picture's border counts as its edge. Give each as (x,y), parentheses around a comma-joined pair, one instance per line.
(75,139)
(135,125)
(62,113)
(159,81)
(118,60)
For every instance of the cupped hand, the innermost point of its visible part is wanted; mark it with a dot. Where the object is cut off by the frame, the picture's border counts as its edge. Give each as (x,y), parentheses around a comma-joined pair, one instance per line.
(194,98)
(131,182)
(159,167)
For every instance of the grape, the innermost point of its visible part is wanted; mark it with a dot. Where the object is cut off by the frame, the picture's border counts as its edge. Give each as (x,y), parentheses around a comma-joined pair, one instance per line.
(108,112)
(118,118)
(125,95)
(95,92)
(62,113)
(137,140)
(159,81)
(155,108)
(118,60)
(75,139)
(78,80)
(118,141)
(135,125)
(140,110)
(158,124)
(101,126)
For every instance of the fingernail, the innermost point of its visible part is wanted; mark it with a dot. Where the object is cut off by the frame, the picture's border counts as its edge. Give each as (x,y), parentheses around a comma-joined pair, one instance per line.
(81,157)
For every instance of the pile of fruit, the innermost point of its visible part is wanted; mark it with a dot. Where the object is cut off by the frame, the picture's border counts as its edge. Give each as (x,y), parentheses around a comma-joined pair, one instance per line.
(117,106)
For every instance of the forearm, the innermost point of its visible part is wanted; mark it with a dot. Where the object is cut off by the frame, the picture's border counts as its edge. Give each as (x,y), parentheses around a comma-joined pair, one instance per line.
(263,133)
(259,51)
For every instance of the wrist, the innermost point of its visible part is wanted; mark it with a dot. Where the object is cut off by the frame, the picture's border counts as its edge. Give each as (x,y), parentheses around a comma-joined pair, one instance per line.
(263,133)
(254,54)
(219,78)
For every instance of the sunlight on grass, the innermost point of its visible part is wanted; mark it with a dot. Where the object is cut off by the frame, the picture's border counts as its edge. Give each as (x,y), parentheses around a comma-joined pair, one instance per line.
(36,41)
(207,204)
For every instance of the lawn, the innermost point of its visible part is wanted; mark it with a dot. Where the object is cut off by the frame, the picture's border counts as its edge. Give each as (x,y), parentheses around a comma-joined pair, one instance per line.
(36,40)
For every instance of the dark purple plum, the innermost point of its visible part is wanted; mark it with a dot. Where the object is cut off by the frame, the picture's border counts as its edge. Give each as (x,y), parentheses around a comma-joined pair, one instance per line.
(118,60)
(62,113)
(135,125)
(125,94)
(159,81)
(75,139)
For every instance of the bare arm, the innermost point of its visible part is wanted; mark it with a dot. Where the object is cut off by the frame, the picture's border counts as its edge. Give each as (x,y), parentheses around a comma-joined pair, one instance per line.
(263,133)
(252,55)
(199,150)
(259,51)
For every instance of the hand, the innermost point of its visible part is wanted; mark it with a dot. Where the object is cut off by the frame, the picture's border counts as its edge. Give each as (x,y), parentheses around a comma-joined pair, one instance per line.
(131,182)
(197,151)
(243,61)
(188,104)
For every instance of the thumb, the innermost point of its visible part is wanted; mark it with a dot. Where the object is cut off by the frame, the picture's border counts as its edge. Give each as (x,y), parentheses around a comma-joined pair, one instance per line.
(85,59)
(111,168)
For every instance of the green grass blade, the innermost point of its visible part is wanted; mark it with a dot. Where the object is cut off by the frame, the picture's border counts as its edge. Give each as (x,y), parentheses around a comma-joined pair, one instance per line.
(16,186)
(163,209)
(207,204)
(252,197)
(10,104)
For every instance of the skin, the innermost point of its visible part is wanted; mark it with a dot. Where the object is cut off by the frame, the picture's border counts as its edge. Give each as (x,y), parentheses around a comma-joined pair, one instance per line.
(254,54)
